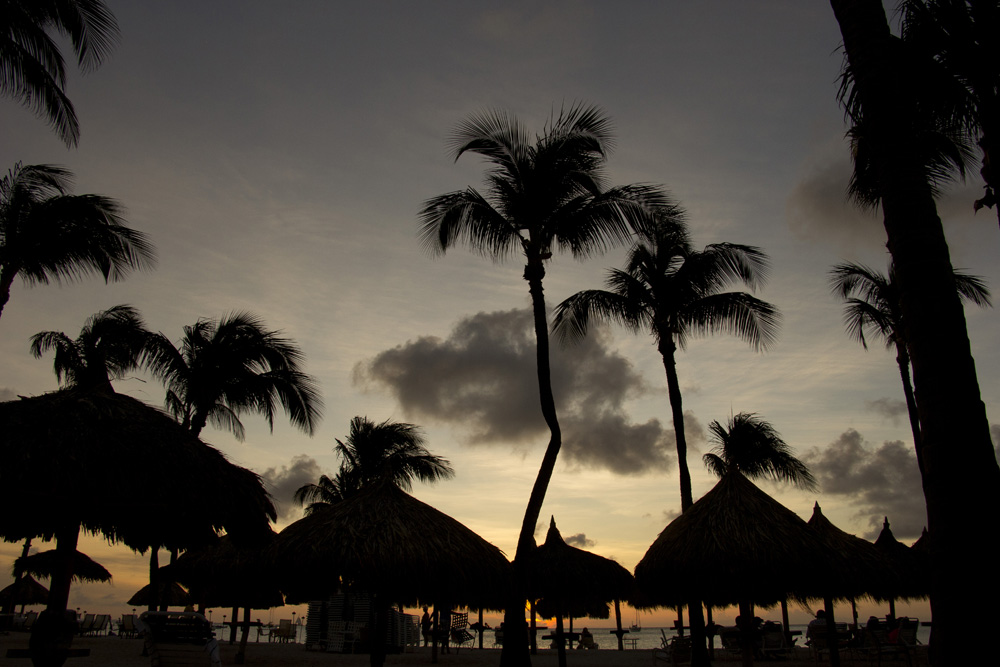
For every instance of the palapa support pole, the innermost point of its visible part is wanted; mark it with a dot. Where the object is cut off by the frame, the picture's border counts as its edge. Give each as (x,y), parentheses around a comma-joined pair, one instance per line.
(560,641)
(241,653)
(618,625)
(533,635)
(679,623)
(831,632)
(435,618)
(784,621)
(746,632)
(232,628)
(710,631)
(52,634)
(154,578)
(481,628)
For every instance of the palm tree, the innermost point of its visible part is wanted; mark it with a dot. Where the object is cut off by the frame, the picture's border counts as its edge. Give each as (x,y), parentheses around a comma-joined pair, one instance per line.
(32,69)
(47,234)
(750,445)
(234,365)
(873,307)
(960,37)
(111,344)
(960,467)
(387,451)
(543,194)
(675,292)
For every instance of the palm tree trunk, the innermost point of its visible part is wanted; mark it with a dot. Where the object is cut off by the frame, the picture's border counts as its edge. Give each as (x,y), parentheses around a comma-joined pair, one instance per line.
(903,361)
(960,467)
(666,347)
(52,633)
(515,644)
(6,281)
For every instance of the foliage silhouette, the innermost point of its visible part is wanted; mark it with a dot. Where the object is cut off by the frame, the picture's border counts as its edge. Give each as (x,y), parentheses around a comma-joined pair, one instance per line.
(749,444)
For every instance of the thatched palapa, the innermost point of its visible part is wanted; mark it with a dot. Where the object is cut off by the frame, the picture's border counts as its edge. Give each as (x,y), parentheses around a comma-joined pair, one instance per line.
(855,568)
(912,579)
(45,563)
(121,468)
(385,541)
(24,591)
(734,544)
(170,594)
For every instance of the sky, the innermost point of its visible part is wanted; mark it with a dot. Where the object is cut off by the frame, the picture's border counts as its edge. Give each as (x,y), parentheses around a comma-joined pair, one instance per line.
(278,158)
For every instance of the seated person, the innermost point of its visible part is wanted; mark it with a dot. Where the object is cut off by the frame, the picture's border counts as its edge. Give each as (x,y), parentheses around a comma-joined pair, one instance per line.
(586,639)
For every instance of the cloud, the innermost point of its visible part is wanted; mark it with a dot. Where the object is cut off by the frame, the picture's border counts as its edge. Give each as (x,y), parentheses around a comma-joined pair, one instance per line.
(880,482)
(995,434)
(482,381)
(889,408)
(7,394)
(579,540)
(818,210)
(285,480)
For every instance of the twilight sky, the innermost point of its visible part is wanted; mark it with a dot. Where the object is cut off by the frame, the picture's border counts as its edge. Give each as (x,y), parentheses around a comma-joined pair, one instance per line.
(278,156)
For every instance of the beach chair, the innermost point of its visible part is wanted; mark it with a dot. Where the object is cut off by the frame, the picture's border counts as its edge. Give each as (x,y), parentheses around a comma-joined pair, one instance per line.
(773,644)
(818,639)
(459,634)
(283,632)
(677,652)
(126,627)
(497,637)
(179,639)
(86,625)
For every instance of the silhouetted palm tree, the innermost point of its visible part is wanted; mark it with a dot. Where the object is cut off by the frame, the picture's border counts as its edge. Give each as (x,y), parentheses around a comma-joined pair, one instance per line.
(543,194)
(873,307)
(675,292)
(960,37)
(387,451)
(960,466)
(111,344)
(46,234)
(226,367)
(32,69)
(750,445)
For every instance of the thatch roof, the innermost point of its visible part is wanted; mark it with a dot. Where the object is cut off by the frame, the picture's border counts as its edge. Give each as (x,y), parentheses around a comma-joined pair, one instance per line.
(574,579)
(122,469)
(227,575)
(388,542)
(856,568)
(44,563)
(912,575)
(736,542)
(171,594)
(24,591)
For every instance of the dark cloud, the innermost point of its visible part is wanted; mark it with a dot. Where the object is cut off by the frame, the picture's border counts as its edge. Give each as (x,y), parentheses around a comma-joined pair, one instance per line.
(7,394)
(482,380)
(579,540)
(880,482)
(285,480)
(995,434)
(818,210)
(889,408)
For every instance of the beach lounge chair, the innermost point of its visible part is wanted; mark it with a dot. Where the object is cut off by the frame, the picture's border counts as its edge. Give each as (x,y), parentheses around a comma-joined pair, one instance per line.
(126,626)
(179,639)
(817,638)
(283,632)
(497,637)
(459,634)
(677,652)
(86,625)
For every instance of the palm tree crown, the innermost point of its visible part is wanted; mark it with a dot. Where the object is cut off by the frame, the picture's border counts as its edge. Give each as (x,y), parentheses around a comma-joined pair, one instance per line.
(32,69)
(111,344)
(750,445)
(675,292)
(47,234)
(226,367)
(388,451)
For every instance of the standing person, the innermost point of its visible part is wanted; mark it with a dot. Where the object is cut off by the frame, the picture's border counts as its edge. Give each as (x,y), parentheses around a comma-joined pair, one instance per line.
(425,627)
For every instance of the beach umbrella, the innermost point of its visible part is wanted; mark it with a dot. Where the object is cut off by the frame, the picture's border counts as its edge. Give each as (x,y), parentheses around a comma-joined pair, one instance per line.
(45,563)
(24,591)
(735,545)
(170,593)
(388,543)
(114,466)
(571,581)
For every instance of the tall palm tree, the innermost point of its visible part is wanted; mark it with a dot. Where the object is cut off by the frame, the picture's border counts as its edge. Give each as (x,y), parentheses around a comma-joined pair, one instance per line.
(960,467)
(387,451)
(543,194)
(960,37)
(675,292)
(226,367)
(873,307)
(111,344)
(47,234)
(750,445)
(32,69)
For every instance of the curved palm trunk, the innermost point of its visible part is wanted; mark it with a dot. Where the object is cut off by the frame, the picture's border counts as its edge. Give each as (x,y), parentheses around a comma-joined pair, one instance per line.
(666,347)
(903,361)
(6,281)
(515,645)
(960,467)
(52,633)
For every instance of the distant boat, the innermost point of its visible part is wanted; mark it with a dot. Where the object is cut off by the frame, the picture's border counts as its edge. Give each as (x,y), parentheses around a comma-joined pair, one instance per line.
(635,627)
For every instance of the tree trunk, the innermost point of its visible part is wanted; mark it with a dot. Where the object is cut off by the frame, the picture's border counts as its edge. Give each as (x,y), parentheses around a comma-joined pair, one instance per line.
(666,347)
(903,361)
(52,633)
(515,643)
(6,281)
(241,654)
(960,467)
(154,578)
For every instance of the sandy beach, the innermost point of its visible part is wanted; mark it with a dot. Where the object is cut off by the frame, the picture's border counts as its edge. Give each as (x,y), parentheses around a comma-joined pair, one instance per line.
(117,652)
